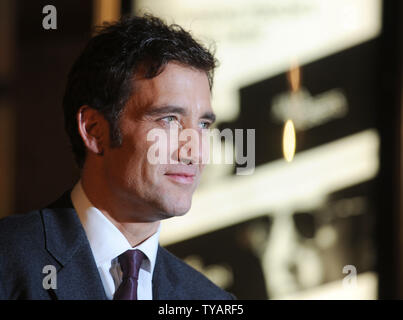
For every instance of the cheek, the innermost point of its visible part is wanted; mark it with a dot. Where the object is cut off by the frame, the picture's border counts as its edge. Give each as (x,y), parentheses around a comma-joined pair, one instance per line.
(137,176)
(162,145)
(124,162)
(120,168)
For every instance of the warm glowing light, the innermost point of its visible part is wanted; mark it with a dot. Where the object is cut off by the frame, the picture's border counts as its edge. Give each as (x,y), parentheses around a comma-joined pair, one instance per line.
(294,77)
(289,136)
(289,141)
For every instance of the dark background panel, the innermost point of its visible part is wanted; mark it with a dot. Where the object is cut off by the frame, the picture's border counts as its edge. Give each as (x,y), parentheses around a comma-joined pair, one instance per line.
(389,203)
(44,163)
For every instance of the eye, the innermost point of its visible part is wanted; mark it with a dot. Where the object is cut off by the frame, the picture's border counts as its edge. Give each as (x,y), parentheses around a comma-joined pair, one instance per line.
(169,118)
(205,124)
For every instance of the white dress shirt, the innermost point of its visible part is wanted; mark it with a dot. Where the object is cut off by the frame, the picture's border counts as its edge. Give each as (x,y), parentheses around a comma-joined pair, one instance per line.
(107,243)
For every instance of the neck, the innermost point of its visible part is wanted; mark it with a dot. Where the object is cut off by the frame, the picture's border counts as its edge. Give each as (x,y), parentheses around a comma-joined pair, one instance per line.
(120,212)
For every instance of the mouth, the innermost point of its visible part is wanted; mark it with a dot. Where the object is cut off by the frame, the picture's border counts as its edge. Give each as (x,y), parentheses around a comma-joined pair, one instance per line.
(182,178)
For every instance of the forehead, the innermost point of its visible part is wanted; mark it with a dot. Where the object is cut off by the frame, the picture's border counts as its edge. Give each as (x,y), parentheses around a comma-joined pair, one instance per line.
(176,85)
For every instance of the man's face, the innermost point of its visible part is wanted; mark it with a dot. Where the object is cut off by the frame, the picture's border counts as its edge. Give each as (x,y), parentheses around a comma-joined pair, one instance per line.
(178,98)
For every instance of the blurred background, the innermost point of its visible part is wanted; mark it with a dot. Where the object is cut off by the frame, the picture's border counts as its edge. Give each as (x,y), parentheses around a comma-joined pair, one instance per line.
(320,82)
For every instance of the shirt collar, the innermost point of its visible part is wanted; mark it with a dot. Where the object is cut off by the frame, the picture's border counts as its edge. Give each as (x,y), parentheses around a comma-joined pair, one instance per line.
(106,241)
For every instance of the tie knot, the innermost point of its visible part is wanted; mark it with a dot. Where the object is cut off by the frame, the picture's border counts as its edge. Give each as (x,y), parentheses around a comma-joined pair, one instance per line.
(130,262)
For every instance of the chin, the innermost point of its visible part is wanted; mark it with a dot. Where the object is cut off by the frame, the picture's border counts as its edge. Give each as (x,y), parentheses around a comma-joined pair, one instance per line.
(176,209)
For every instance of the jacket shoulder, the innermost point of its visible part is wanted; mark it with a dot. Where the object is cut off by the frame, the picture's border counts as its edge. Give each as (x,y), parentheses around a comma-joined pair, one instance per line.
(22,254)
(21,229)
(191,283)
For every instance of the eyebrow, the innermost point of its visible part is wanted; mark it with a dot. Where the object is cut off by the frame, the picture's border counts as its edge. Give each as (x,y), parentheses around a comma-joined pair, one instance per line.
(178,110)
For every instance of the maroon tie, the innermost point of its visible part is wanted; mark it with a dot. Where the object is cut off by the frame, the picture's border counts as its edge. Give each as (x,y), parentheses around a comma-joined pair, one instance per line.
(130,262)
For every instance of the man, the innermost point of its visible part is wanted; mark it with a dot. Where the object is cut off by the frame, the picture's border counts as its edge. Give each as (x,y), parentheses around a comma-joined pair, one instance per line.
(101,237)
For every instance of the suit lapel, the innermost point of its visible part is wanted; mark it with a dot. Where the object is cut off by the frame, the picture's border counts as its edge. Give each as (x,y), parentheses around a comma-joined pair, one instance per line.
(77,275)
(163,284)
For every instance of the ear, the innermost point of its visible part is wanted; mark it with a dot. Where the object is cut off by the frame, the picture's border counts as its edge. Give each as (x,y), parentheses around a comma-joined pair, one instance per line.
(93,129)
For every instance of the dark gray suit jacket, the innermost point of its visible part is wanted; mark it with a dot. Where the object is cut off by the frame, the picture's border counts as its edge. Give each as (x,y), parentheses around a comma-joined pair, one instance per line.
(55,236)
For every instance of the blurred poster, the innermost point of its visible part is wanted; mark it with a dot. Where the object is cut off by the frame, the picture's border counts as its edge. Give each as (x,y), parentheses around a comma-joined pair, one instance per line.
(284,252)
(257,39)
(299,228)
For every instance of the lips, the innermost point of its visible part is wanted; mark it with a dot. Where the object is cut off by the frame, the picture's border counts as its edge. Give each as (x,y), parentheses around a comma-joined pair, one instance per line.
(181,177)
